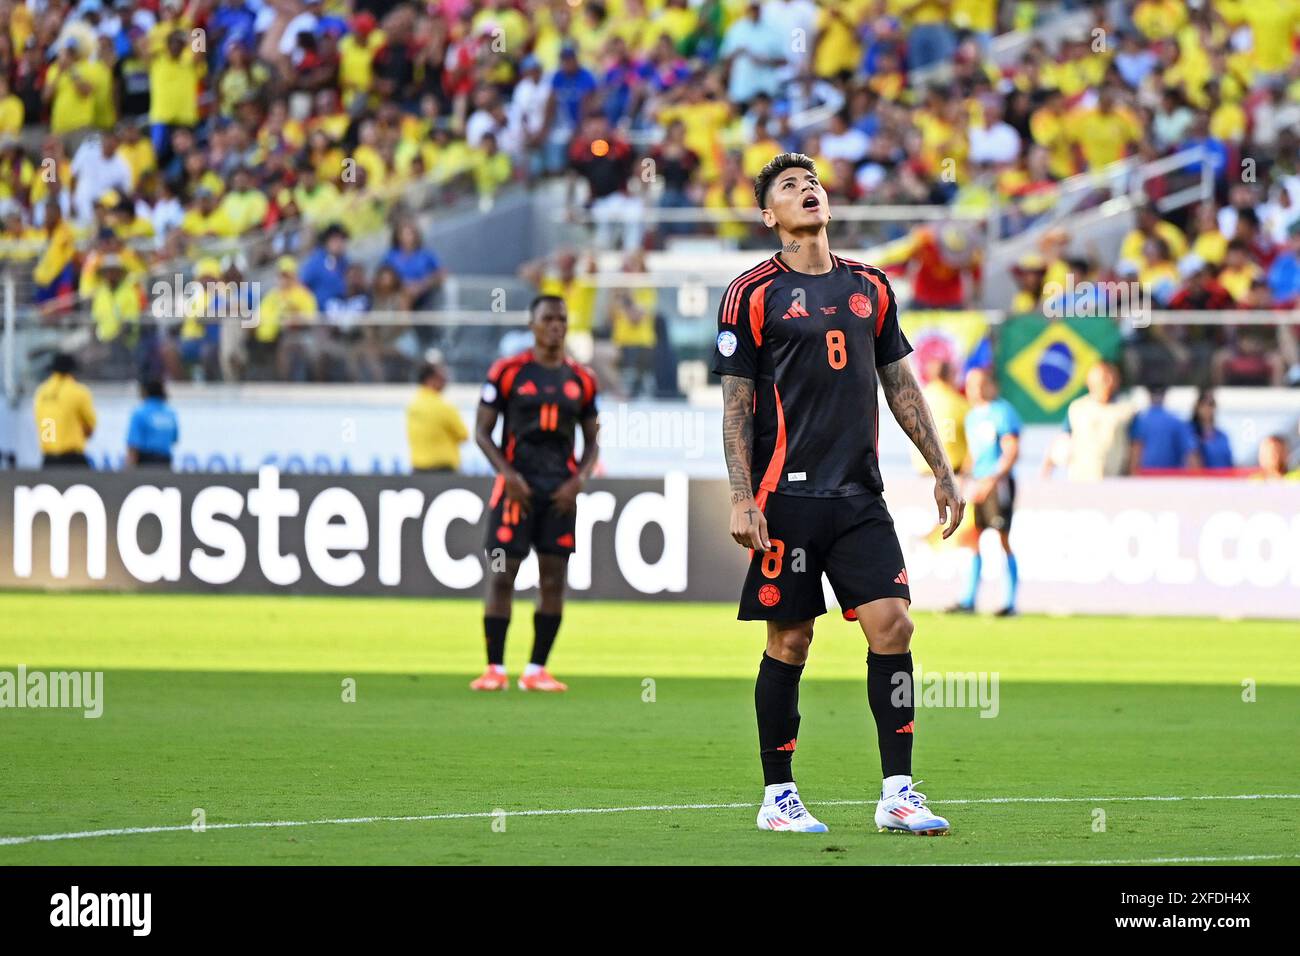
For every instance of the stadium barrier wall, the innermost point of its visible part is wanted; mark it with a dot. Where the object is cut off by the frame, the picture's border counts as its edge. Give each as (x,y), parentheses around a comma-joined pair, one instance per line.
(341,430)
(1148,547)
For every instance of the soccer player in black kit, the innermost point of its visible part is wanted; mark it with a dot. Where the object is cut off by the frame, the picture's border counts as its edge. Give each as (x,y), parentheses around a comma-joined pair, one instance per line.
(545,397)
(803,340)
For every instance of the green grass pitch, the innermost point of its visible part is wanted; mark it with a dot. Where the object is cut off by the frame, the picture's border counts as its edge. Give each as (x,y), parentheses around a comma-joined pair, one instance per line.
(235,705)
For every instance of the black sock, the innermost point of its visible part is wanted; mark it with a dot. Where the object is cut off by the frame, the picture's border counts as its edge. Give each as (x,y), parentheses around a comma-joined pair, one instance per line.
(545,627)
(494,629)
(893,707)
(776,701)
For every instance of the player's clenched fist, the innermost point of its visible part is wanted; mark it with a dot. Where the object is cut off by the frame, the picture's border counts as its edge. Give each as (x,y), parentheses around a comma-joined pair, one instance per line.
(749,525)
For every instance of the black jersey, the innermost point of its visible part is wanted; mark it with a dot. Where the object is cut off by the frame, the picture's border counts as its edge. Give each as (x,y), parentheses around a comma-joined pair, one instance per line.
(812,344)
(542,408)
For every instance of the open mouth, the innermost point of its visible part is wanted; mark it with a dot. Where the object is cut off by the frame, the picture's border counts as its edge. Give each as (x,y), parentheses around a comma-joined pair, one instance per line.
(811,202)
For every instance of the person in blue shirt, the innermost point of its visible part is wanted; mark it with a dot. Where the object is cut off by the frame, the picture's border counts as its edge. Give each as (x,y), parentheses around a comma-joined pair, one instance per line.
(1209,445)
(419,268)
(992,447)
(153,431)
(1157,437)
(573,87)
(325,271)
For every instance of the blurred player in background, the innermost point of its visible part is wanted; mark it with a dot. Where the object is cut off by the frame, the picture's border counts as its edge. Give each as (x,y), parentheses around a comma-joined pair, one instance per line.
(803,339)
(545,397)
(993,442)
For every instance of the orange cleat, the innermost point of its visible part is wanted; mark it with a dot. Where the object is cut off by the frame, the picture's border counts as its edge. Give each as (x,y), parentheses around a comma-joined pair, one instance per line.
(542,680)
(494,678)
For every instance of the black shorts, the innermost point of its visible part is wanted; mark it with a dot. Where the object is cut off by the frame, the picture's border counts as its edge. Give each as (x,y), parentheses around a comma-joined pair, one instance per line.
(851,539)
(540,527)
(995,511)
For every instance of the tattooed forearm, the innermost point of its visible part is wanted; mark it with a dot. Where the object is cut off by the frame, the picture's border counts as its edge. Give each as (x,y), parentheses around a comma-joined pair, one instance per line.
(913,414)
(738,433)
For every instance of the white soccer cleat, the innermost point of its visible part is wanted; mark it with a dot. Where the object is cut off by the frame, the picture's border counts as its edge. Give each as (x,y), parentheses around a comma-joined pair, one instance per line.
(906,812)
(786,812)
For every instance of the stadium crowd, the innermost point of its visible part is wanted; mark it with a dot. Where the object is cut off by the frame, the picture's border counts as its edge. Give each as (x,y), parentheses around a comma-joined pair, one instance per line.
(230,134)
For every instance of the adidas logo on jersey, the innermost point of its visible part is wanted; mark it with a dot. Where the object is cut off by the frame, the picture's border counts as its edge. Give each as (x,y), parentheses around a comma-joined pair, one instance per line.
(795,311)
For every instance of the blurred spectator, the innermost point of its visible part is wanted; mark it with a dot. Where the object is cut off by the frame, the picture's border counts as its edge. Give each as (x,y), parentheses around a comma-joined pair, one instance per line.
(930,40)
(72,87)
(559,275)
(1273,464)
(280,315)
(1209,245)
(1158,271)
(65,415)
(1284,274)
(1201,291)
(491,168)
(527,112)
(386,293)
(357,52)
(732,190)
(572,88)
(948,404)
(602,157)
(1249,357)
(1106,133)
(1158,438)
(419,269)
(325,270)
(1239,270)
(1097,425)
(940,262)
(434,428)
(55,271)
(1147,227)
(115,307)
(153,430)
(1028,273)
(205,219)
(840,141)
(1209,446)
(754,49)
(675,164)
(632,323)
(174,76)
(994,141)
(198,348)
(12,111)
(98,168)
(244,206)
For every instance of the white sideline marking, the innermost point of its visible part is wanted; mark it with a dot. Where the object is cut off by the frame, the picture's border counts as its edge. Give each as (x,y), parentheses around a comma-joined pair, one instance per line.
(647,808)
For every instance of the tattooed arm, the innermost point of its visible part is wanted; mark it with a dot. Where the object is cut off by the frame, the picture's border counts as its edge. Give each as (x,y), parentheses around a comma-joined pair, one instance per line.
(748,524)
(913,414)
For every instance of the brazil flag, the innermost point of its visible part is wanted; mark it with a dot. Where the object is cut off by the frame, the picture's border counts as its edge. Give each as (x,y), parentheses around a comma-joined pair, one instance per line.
(1042,364)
